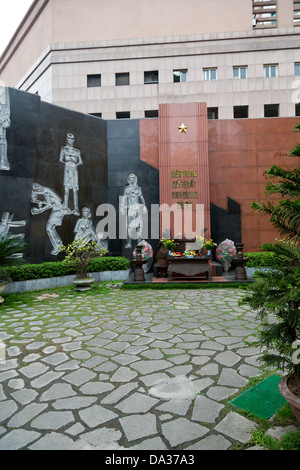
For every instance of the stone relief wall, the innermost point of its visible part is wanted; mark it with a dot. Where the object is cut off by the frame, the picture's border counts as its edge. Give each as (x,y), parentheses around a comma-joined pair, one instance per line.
(125,164)
(63,165)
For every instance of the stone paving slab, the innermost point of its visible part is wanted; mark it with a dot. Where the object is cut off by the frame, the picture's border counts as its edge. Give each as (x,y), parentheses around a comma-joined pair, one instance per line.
(142,370)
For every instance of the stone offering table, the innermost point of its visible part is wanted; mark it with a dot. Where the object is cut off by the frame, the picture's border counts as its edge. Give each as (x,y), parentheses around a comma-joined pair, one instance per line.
(189,269)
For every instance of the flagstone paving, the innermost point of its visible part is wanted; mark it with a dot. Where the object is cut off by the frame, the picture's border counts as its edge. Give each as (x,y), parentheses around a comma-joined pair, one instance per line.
(126,370)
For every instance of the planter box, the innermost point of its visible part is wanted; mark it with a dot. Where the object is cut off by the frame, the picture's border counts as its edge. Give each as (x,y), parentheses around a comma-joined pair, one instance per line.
(63,281)
(251,271)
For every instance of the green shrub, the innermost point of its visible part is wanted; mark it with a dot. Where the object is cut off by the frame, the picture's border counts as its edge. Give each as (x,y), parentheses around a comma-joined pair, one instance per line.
(264,259)
(63,268)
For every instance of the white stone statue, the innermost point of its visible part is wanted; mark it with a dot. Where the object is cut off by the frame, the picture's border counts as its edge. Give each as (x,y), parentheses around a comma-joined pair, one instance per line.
(133,204)
(4,124)
(46,198)
(7,223)
(71,157)
(85,231)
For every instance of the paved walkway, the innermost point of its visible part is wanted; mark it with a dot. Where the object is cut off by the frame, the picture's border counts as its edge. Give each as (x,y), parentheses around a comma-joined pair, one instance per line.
(138,370)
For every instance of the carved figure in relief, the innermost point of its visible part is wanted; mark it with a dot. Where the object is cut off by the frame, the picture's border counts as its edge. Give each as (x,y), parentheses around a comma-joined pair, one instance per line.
(46,198)
(4,124)
(133,204)
(71,157)
(7,223)
(85,231)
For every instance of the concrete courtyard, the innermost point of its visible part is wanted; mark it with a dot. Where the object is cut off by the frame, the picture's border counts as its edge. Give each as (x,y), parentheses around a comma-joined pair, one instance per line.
(126,370)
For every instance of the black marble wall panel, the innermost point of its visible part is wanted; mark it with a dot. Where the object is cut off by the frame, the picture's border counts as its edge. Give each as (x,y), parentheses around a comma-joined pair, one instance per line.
(226,224)
(21,136)
(90,139)
(123,147)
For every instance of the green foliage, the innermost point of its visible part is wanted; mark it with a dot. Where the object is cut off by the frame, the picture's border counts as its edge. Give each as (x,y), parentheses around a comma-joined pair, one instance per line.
(81,254)
(9,248)
(284,212)
(264,259)
(296,150)
(289,441)
(63,268)
(277,292)
(284,416)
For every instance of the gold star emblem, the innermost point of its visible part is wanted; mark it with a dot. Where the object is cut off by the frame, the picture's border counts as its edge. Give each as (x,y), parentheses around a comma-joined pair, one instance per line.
(182,129)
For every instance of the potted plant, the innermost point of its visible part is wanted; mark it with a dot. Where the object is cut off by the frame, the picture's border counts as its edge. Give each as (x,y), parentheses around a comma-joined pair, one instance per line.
(11,247)
(81,254)
(277,292)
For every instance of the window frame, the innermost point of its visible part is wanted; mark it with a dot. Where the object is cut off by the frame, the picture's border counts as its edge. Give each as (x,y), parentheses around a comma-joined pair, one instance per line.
(269,67)
(241,107)
(94,76)
(270,106)
(240,68)
(151,82)
(122,75)
(182,73)
(118,115)
(207,71)
(212,109)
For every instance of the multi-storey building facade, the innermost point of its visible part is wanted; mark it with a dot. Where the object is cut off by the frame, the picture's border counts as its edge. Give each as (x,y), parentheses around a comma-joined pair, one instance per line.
(123,59)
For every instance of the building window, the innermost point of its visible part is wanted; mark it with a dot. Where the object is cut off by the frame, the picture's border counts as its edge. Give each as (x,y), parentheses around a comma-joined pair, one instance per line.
(296,13)
(151,77)
(123,115)
(98,115)
(93,80)
(240,72)
(179,76)
(122,79)
(271,110)
(271,70)
(212,113)
(240,112)
(210,74)
(151,114)
(264,14)
(297,69)
(297,109)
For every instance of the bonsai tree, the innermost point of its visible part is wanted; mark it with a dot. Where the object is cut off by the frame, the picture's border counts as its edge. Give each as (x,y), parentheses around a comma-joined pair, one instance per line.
(81,254)
(10,248)
(277,292)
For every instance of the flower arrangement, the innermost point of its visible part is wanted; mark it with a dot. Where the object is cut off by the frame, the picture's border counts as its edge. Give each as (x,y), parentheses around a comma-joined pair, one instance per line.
(147,251)
(200,241)
(206,244)
(170,244)
(209,244)
(225,250)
